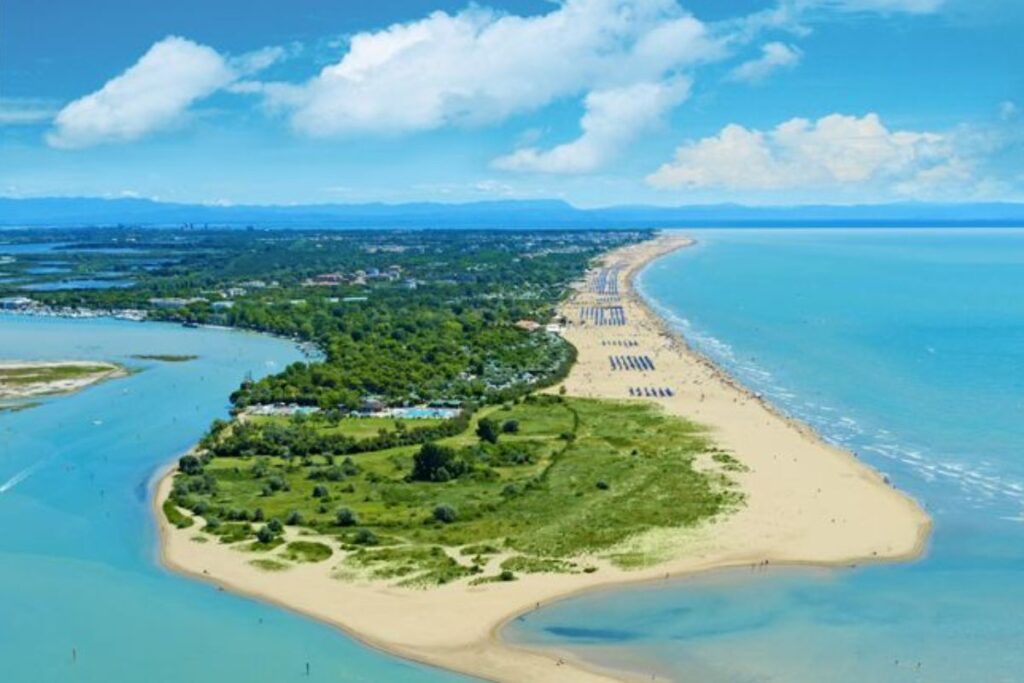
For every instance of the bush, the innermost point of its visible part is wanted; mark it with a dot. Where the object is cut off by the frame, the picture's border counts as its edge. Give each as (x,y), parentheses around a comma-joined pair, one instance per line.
(507,575)
(294,518)
(275,525)
(365,537)
(445,514)
(487,430)
(510,426)
(190,464)
(264,535)
(603,485)
(320,491)
(346,517)
(436,463)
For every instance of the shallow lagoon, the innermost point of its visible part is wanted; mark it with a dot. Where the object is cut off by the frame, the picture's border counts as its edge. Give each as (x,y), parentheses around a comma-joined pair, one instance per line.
(78,566)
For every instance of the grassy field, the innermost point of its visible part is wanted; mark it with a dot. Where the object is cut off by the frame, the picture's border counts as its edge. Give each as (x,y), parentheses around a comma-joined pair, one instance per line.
(41,374)
(354,427)
(574,478)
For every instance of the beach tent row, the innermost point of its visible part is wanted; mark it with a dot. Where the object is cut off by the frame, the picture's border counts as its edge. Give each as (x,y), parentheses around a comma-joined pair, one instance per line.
(607,280)
(620,342)
(653,392)
(631,362)
(603,315)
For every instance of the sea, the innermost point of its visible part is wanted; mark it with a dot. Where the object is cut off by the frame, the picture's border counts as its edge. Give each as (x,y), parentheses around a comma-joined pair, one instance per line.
(905,347)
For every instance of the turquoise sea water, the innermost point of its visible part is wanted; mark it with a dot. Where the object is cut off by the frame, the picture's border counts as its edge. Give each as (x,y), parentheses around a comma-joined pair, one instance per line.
(78,566)
(906,347)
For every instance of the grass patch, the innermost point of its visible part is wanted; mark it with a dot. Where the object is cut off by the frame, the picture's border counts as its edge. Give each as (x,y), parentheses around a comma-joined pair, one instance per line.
(307,551)
(175,516)
(525,564)
(269,565)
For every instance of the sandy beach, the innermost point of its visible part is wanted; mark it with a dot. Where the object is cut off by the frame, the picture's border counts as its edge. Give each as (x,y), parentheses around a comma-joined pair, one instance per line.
(26,386)
(806,503)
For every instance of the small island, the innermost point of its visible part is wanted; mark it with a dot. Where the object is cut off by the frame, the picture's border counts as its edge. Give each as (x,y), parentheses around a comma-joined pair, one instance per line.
(21,380)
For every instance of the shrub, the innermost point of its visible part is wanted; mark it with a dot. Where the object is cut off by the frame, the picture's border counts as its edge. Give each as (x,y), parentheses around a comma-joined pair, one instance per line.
(507,575)
(294,518)
(487,430)
(365,537)
(436,463)
(603,485)
(265,535)
(190,464)
(510,426)
(445,514)
(346,517)
(320,491)
(275,525)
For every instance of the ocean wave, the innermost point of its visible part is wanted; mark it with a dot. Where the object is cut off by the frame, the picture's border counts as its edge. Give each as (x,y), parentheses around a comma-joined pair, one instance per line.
(980,483)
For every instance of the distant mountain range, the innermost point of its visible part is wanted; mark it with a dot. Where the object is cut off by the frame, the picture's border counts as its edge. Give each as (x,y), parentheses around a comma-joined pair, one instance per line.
(87,211)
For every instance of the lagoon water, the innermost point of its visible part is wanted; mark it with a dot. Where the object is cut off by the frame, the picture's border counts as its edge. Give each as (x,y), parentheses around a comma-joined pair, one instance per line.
(78,566)
(906,347)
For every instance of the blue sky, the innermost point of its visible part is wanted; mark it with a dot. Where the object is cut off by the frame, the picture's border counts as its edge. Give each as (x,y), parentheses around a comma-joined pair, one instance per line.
(595,101)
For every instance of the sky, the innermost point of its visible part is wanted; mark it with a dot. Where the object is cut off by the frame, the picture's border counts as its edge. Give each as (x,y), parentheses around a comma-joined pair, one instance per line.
(597,102)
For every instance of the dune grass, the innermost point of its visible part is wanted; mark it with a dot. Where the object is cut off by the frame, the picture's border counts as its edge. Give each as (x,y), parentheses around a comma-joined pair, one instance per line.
(578,477)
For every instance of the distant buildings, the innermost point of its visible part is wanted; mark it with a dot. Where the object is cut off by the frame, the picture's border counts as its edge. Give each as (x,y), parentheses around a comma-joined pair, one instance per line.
(175,302)
(15,303)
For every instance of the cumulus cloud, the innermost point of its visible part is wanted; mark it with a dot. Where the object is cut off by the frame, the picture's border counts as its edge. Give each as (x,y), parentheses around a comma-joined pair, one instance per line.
(613,118)
(774,56)
(836,151)
(154,93)
(480,66)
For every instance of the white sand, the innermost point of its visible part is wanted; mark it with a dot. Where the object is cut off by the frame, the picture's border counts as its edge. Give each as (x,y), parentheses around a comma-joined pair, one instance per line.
(807,503)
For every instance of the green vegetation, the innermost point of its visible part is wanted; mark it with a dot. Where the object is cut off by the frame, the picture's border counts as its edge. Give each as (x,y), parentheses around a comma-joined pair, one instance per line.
(307,551)
(577,477)
(403,317)
(43,373)
(175,516)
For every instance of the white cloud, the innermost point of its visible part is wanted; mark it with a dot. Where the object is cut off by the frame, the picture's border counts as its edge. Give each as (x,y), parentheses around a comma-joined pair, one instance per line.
(613,118)
(836,152)
(481,66)
(23,111)
(151,95)
(774,56)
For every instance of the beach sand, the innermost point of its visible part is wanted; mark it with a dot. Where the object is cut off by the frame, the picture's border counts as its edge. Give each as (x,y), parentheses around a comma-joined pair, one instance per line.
(22,389)
(806,503)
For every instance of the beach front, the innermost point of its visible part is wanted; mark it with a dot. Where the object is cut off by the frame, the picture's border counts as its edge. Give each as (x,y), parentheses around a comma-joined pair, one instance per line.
(805,502)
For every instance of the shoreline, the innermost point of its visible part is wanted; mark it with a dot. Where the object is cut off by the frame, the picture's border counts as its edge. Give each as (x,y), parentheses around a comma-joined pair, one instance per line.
(767,528)
(29,390)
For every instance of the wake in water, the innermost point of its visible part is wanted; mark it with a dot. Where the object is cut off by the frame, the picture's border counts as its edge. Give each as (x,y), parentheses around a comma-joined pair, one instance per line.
(19,477)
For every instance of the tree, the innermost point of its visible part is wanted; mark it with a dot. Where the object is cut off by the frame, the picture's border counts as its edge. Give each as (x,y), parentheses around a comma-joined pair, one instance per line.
(487,430)
(445,514)
(264,535)
(294,518)
(190,464)
(346,517)
(320,491)
(275,525)
(436,463)
(510,426)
